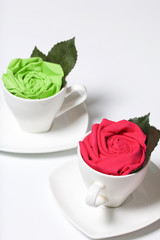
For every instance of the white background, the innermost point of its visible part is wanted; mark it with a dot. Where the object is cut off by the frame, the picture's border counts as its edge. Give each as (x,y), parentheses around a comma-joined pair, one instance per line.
(118,45)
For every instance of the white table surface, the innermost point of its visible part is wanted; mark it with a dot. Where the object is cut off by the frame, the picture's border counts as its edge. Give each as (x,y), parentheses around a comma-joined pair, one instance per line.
(118,45)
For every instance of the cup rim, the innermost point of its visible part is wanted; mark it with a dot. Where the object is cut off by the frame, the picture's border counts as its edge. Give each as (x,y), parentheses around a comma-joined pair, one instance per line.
(104,174)
(29,99)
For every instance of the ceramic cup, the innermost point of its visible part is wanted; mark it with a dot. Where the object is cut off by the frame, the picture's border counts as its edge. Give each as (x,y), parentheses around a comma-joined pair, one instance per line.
(37,115)
(108,190)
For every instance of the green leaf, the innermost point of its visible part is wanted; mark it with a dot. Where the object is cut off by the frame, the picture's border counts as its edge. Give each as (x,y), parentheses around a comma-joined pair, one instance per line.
(63,82)
(37,53)
(142,122)
(152,141)
(65,54)
(153,136)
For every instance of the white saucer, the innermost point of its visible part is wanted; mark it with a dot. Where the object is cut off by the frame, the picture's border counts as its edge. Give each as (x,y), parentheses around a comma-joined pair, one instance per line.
(140,209)
(65,133)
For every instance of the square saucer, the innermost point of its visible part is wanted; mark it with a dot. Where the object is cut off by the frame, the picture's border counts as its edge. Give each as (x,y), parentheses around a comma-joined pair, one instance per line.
(140,210)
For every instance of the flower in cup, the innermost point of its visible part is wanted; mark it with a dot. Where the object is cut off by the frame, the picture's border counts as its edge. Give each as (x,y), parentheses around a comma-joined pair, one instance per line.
(41,75)
(119,148)
(33,78)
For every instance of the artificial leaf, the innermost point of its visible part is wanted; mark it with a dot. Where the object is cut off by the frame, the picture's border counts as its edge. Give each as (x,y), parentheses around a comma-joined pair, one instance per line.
(37,53)
(153,136)
(142,122)
(65,54)
(152,141)
(63,82)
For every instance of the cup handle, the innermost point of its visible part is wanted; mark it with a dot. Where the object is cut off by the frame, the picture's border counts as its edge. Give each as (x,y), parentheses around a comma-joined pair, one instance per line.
(75,100)
(93,198)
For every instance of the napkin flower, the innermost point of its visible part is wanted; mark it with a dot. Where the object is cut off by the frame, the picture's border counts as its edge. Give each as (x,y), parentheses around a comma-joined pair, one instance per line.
(41,76)
(119,148)
(33,78)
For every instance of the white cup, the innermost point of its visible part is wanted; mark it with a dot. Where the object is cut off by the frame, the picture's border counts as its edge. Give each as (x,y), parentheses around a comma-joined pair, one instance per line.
(37,115)
(108,190)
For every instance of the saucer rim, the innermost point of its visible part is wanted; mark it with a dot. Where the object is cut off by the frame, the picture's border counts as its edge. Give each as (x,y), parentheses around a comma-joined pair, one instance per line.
(132,229)
(10,149)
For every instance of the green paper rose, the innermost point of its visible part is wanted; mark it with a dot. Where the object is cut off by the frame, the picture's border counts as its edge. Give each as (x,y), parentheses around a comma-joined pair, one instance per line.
(33,78)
